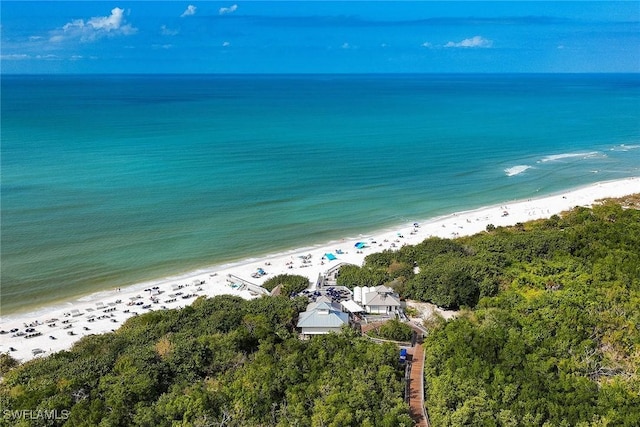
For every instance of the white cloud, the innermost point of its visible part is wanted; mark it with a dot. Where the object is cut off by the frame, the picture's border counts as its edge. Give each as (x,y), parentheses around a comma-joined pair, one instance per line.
(345,45)
(108,23)
(226,10)
(165,31)
(189,11)
(226,44)
(95,28)
(43,57)
(476,41)
(15,56)
(426,44)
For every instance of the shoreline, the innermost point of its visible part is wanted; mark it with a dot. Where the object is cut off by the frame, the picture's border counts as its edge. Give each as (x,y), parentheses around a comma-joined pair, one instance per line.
(105,311)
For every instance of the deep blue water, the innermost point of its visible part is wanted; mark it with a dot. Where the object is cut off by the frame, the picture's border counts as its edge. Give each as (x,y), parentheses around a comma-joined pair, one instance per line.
(111,180)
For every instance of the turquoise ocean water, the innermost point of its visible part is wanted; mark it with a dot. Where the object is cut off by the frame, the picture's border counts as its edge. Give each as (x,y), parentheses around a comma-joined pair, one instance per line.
(112,180)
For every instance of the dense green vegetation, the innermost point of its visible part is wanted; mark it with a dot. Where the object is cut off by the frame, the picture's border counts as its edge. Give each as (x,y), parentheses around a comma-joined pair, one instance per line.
(289,283)
(396,331)
(549,337)
(560,343)
(6,363)
(554,338)
(221,361)
(351,276)
(450,274)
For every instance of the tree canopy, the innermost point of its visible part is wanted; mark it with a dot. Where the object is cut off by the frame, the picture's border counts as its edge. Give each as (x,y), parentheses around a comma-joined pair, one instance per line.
(396,331)
(221,361)
(559,344)
(289,283)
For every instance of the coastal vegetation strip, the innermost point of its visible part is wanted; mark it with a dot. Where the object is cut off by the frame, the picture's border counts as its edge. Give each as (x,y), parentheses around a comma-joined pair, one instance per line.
(547,332)
(546,335)
(559,343)
(225,361)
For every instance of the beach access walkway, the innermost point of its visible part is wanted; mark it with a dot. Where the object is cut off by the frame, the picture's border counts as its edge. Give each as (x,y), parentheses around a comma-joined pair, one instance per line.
(415,380)
(245,284)
(416,386)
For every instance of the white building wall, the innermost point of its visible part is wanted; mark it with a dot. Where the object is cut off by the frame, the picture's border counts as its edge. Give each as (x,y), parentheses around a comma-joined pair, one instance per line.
(378,309)
(319,331)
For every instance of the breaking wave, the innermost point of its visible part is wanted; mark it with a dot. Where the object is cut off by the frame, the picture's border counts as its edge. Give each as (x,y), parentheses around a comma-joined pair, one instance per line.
(555,157)
(516,170)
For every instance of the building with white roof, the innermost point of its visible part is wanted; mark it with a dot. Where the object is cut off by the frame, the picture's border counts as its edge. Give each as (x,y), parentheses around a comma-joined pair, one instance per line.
(351,306)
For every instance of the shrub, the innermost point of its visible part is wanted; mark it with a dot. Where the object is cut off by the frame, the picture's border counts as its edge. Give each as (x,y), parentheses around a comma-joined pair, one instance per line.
(396,331)
(291,283)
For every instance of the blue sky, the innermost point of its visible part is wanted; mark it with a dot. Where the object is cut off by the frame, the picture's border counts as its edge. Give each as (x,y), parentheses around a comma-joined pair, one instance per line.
(319,37)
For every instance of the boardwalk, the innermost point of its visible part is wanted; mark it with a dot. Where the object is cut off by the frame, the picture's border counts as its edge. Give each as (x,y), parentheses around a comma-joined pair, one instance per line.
(416,376)
(416,387)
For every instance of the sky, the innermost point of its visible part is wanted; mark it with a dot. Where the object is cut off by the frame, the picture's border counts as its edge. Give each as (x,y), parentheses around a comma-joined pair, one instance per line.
(59,37)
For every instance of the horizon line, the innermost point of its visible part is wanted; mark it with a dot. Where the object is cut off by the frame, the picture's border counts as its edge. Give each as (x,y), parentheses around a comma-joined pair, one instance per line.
(302,73)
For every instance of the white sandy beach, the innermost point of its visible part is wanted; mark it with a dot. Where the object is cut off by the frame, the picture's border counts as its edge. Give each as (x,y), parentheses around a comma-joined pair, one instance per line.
(55,328)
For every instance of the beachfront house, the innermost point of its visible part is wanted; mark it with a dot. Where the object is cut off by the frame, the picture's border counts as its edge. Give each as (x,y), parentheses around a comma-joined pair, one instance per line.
(322,317)
(323,299)
(380,300)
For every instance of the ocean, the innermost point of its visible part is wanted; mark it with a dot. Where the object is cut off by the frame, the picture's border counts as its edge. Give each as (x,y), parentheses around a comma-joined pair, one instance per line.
(110,180)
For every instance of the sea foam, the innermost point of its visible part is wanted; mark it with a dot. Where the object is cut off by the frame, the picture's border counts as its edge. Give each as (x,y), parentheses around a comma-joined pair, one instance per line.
(555,157)
(516,170)
(624,147)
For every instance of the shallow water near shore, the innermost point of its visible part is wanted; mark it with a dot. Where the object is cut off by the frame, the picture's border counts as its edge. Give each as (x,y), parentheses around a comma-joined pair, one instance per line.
(114,180)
